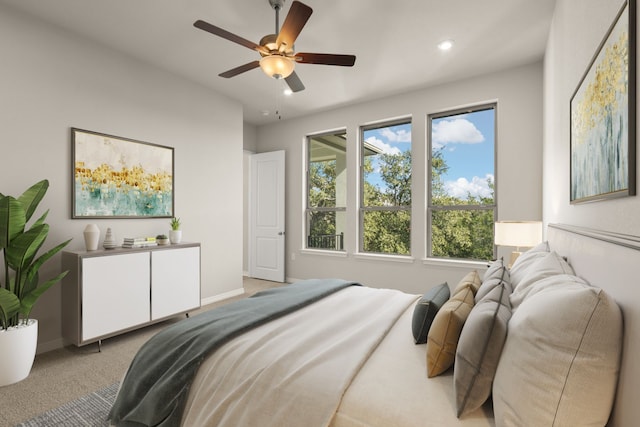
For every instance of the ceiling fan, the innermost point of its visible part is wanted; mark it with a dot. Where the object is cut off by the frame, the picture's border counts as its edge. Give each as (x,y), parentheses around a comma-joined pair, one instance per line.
(277,50)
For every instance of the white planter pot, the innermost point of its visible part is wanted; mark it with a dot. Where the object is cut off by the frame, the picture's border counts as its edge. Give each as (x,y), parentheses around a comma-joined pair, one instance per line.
(175,236)
(17,352)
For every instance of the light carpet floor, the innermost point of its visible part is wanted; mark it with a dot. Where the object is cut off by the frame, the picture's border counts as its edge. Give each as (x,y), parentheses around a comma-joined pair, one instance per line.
(90,410)
(66,374)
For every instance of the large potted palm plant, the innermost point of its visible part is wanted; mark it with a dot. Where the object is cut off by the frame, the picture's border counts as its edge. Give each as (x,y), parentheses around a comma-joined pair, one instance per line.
(20,285)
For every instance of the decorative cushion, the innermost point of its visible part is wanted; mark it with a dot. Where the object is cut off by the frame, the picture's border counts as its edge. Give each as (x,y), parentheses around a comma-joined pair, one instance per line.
(560,362)
(443,336)
(496,275)
(479,348)
(550,265)
(524,261)
(426,309)
(471,279)
(494,267)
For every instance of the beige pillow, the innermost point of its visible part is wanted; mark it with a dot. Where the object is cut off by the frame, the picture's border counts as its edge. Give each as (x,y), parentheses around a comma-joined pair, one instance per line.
(471,279)
(445,331)
(561,360)
(551,264)
(524,261)
(479,348)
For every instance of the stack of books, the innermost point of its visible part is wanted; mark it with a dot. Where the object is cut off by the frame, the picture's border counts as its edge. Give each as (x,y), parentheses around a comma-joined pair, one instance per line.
(139,242)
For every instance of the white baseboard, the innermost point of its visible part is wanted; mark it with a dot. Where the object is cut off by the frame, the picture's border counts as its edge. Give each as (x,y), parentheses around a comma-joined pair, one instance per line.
(293,280)
(221,297)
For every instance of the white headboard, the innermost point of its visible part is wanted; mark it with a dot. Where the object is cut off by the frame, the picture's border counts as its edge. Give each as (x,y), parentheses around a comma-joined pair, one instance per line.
(610,261)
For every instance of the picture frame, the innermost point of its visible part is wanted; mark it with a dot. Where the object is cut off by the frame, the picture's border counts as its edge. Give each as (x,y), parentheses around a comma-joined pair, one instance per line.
(116,177)
(603,117)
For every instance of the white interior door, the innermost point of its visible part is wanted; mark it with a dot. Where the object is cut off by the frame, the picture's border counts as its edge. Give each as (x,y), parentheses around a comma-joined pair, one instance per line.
(266,216)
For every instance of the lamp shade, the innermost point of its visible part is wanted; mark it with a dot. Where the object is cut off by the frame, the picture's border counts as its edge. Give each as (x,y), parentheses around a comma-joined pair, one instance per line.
(518,233)
(277,66)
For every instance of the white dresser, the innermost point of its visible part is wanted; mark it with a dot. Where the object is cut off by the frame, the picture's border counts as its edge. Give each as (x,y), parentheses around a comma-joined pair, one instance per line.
(108,292)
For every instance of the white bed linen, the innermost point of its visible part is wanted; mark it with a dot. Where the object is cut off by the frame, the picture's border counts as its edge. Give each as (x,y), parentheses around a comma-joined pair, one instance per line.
(392,389)
(293,371)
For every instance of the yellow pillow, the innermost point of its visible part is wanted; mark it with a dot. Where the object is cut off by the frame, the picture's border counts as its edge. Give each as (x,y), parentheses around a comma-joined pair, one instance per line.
(445,330)
(472,279)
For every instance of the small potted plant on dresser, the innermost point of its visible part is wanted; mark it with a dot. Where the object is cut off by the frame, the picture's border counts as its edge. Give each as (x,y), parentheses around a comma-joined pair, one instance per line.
(162,239)
(175,234)
(22,287)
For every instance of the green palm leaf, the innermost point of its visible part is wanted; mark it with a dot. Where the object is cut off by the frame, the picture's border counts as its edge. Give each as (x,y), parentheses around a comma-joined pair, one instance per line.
(12,220)
(9,307)
(27,302)
(32,197)
(24,247)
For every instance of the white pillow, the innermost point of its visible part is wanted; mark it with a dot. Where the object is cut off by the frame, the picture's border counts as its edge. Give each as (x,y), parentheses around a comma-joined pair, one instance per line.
(550,264)
(561,360)
(524,261)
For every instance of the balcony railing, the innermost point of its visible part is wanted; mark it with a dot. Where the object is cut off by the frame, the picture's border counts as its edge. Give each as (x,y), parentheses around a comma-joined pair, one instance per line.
(326,241)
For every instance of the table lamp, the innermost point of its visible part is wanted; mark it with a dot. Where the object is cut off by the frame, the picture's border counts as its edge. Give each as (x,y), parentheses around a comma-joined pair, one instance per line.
(519,234)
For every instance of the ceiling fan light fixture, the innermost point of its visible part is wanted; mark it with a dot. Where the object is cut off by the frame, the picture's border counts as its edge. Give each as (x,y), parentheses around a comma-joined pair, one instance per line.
(277,66)
(445,45)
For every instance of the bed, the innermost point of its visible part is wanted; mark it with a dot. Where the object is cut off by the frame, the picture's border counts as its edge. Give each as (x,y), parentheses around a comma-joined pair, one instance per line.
(349,357)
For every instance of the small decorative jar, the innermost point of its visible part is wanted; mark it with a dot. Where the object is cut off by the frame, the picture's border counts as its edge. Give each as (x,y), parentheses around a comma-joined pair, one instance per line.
(109,240)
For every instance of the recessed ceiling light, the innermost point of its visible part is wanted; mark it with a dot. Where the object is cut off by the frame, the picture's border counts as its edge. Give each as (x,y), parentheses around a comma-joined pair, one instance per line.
(265,112)
(445,45)
(287,91)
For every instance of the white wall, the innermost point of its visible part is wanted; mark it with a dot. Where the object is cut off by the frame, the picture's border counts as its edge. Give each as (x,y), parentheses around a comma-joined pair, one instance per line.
(250,136)
(575,36)
(519,189)
(51,80)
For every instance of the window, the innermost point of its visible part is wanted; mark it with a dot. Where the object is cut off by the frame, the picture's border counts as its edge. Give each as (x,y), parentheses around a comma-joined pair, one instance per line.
(326,191)
(461,203)
(385,192)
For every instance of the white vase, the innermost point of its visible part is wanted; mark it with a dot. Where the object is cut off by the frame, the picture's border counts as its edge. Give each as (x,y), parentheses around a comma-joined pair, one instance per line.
(91,237)
(175,236)
(17,352)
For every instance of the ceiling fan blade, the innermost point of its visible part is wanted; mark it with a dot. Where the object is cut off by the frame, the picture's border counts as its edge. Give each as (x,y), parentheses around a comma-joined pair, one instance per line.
(326,59)
(241,69)
(294,82)
(297,17)
(227,35)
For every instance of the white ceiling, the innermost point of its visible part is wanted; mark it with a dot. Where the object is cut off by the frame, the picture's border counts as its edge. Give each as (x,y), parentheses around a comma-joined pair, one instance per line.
(394,42)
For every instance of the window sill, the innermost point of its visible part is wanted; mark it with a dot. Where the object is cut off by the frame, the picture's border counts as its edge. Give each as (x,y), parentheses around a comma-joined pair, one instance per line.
(340,254)
(383,257)
(457,263)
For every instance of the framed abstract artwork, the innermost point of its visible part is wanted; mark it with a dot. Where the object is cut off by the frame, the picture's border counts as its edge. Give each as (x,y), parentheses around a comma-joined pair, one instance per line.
(603,117)
(115,177)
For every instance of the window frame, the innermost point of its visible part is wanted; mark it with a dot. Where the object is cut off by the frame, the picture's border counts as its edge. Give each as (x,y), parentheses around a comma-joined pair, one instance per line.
(361,180)
(307,208)
(429,184)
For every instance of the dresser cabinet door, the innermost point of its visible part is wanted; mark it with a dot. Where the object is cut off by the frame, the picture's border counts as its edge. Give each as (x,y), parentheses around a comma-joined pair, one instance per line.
(175,281)
(115,293)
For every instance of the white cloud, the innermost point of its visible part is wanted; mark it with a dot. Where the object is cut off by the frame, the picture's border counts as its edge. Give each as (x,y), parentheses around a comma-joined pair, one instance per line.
(457,131)
(462,188)
(386,148)
(401,135)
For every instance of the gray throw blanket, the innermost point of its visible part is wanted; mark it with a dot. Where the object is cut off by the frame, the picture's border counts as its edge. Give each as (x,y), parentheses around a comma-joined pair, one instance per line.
(155,389)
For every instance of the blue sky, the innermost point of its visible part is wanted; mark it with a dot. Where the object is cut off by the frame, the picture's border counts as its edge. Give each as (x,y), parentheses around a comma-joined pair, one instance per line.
(467,141)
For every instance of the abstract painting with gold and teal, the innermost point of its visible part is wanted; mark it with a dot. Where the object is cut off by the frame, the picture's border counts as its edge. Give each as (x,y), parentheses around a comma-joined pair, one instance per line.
(119,177)
(600,165)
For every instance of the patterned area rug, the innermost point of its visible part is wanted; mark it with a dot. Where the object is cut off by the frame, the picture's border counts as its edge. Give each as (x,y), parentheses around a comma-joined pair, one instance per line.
(90,410)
